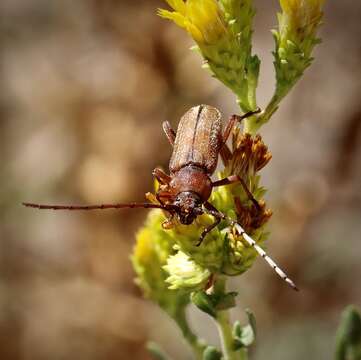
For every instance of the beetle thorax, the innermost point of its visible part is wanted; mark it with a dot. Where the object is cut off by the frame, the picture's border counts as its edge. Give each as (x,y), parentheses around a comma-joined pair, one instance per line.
(192,179)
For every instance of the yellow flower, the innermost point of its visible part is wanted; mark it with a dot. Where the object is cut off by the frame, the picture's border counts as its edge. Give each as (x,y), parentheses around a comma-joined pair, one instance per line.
(202,19)
(143,249)
(150,253)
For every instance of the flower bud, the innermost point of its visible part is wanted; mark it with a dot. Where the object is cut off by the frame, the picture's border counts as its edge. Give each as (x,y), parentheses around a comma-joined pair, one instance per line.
(295,40)
(184,273)
(223,33)
(202,19)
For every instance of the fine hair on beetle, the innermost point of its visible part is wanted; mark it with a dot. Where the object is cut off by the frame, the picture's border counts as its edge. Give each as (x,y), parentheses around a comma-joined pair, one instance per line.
(185,191)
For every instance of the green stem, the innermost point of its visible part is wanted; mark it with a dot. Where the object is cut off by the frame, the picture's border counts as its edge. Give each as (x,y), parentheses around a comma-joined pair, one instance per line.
(225,332)
(196,345)
(225,328)
(273,105)
(280,93)
(249,126)
(253,124)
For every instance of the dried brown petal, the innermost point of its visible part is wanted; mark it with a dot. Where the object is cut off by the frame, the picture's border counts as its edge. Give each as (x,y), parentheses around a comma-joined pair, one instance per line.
(252,218)
(249,156)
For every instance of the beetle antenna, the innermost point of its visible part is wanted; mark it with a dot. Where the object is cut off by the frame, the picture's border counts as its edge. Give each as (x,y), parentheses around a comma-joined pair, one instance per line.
(261,252)
(100,207)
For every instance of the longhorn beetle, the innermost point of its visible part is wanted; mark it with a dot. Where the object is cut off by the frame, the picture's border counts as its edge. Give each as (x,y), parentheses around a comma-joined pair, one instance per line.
(185,192)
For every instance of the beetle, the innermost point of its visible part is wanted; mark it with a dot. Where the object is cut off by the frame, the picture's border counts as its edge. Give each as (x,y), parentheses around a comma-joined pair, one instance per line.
(196,147)
(185,192)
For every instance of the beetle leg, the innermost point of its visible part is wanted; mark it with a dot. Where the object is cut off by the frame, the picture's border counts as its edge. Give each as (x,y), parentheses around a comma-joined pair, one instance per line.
(160,196)
(169,132)
(234,179)
(214,211)
(229,127)
(232,121)
(168,222)
(163,195)
(209,229)
(218,217)
(161,176)
(226,154)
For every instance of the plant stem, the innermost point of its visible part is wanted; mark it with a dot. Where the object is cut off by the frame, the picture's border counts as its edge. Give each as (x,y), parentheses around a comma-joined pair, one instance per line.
(225,328)
(255,122)
(272,106)
(251,124)
(196,345)
(225,333)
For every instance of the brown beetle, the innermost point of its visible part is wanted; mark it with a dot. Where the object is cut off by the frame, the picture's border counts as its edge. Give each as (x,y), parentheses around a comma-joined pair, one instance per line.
(185,192)
(197,145)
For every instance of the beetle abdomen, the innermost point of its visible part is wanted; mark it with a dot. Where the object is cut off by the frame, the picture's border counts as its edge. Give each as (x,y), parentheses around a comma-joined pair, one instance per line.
(198,139)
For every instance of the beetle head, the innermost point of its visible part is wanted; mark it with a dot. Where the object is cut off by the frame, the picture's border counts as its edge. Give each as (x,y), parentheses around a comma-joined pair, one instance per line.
(189,207)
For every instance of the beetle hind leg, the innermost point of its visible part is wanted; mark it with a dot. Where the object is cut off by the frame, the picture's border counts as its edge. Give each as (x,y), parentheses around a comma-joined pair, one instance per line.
(234,119)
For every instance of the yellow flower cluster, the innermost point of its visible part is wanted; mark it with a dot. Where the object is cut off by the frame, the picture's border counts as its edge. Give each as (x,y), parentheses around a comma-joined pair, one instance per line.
(202,19)
(150,253)
(301,16)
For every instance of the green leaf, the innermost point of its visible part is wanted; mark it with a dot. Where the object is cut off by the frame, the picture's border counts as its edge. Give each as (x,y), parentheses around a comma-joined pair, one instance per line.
(211,353)
(204,302)
(226,301)
(156,352)
(210,304)
(252,320)
(244,336)
(348,337)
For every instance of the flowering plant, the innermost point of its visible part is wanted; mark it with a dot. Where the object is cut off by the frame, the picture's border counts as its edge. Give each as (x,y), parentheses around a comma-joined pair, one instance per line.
(171,269)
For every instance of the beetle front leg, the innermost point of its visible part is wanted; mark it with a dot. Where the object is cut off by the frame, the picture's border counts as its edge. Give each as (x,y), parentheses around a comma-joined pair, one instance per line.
(160,195)
(163,180)
(208,229)
(161,176)
(168,224)
(169,132)
(218,217)
(163,197)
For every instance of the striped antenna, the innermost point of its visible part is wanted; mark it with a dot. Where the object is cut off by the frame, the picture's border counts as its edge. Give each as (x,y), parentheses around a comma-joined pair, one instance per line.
(260,251)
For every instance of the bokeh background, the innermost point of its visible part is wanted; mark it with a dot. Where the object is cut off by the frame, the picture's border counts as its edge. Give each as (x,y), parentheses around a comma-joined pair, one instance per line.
(84,88)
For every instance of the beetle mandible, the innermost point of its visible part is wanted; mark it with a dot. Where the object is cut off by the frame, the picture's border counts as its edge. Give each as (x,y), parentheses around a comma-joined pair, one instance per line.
(185,192)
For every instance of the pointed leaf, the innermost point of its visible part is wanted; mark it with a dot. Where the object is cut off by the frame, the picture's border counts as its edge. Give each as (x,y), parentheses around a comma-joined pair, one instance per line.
(348,338)
(252,321)
(244,336)
(211,353)
(203,302)
(227,301)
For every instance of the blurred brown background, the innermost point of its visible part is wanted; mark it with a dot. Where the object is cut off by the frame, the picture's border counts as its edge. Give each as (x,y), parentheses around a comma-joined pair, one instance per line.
(84,87)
